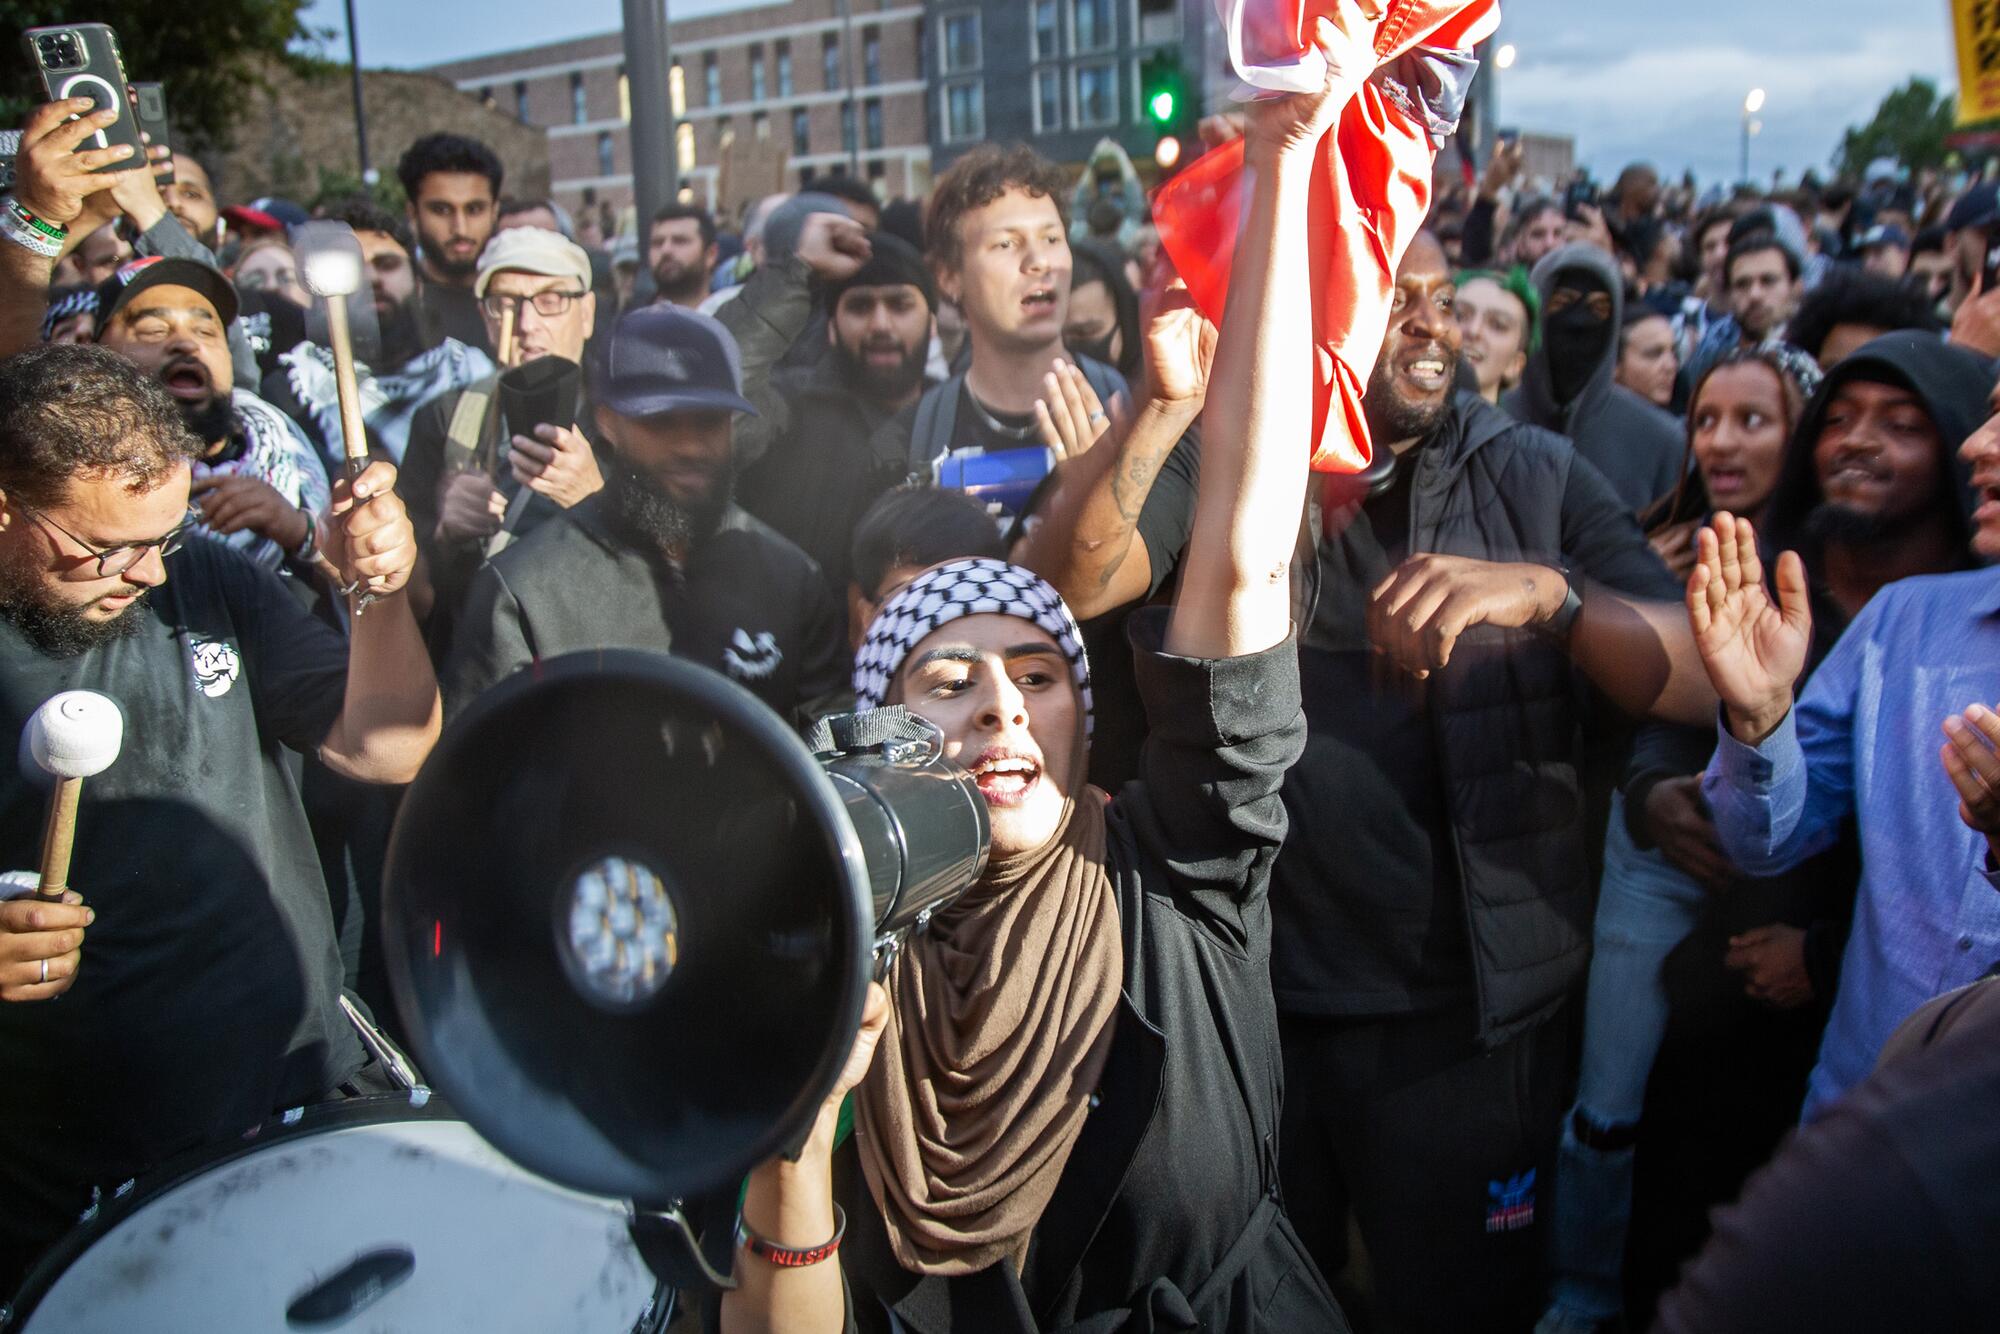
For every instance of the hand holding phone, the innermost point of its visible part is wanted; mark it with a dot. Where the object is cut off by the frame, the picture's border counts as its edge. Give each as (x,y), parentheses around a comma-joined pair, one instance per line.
(81,60)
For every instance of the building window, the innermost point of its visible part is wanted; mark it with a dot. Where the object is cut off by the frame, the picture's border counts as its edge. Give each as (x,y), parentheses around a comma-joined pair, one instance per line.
(521,100)
(625,96)
(684,146)
(871,120)
(757,71)
(1159,22)
(1048,23)
(1091,26)
(877,170)
(829,61)
(806,175)
(711,80)
(847,127)
(784,50)
(1048,100)
(871,57)
(923,51)
(961,42)
(964,112)
(725,133)
(801,132)
(486,97)
(760,127)
(1096,94)
(605,154)
(579,104)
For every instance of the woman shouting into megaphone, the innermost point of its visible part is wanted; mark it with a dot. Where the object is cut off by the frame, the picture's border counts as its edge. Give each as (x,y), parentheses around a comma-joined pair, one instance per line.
(1066,1097)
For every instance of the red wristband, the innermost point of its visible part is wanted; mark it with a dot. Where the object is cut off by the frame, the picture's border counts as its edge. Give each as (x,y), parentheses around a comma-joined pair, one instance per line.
(786,1257)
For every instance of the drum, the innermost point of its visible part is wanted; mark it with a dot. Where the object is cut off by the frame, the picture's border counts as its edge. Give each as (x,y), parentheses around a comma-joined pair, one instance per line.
(366,1216)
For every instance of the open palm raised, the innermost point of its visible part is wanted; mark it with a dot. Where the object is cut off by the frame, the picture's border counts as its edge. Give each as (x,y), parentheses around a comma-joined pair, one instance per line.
(1753,650)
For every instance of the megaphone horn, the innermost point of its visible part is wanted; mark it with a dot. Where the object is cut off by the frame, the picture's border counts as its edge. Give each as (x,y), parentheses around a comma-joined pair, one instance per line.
(631,916)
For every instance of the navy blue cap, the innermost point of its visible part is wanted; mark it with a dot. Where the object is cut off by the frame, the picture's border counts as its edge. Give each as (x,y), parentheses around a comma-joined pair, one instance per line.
(1975,208)
(1885,233)
(663,358)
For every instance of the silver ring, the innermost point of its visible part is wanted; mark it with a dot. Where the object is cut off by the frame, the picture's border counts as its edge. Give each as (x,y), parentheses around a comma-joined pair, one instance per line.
(1097,417)
(45,970)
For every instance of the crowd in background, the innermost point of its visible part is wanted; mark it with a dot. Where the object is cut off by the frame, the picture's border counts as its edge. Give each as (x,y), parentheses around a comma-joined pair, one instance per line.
(1560,953)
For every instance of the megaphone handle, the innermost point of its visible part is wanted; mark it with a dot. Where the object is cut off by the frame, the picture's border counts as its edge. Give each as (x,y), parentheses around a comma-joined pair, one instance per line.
(58,836)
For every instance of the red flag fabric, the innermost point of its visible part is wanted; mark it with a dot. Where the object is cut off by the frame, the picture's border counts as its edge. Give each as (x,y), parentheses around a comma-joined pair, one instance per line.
(1371,192)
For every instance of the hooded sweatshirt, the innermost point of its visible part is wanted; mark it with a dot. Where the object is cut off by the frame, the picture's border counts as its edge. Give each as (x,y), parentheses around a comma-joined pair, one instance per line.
(1638,447)
(1952,384)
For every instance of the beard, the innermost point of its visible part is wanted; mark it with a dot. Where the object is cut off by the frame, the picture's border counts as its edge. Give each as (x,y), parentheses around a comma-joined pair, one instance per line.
(648,513)
(1393,418)
(880,383)
(401,338)
(211,419)
(56,629)
(1845,526)
(679,282)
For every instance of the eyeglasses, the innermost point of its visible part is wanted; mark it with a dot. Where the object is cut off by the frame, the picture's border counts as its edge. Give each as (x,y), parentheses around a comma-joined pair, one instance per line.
(118,559)
(546,304)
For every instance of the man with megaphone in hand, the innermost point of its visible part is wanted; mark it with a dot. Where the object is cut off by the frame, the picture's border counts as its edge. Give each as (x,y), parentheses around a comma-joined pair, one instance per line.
(1066,1102)
(197,991)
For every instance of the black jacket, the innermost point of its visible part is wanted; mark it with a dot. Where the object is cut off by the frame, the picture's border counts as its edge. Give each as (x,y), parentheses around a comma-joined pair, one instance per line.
(1638,447)
(747,604)
(1507,719)
(808,463)
(1167,1216)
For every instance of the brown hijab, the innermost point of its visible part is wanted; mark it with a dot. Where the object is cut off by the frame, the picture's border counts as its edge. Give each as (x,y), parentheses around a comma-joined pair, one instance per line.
(999,1025)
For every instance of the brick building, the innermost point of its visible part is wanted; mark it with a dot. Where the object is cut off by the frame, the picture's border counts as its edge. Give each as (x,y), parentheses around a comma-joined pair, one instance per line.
(1063,74)
(767,97)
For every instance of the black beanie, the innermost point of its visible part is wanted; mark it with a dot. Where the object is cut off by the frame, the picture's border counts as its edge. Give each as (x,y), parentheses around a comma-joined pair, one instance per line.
(893,263)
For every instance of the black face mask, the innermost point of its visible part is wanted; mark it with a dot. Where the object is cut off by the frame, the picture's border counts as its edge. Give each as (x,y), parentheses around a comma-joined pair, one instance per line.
(1576,341)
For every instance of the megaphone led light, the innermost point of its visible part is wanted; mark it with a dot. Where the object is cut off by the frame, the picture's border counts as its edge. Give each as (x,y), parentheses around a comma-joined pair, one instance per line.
(619,935)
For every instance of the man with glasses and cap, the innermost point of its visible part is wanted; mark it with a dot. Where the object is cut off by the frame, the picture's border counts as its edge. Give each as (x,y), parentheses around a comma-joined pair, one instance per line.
(661,558)
(462,467)
(194,956)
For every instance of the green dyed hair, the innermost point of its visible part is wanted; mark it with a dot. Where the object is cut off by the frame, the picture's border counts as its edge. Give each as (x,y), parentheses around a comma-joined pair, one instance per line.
(1515,281)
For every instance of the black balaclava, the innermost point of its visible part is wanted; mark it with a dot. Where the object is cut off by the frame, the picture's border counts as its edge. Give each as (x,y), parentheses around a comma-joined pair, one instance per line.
(1576,338)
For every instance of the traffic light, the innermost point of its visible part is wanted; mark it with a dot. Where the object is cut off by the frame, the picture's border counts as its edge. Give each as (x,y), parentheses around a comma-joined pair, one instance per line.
(1163,93)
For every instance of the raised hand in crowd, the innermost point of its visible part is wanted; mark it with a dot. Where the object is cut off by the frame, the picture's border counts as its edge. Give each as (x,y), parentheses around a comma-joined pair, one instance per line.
(60,188)
(1772,961)
(833,246)
(1069,414)
(1969,754)
(368,535)
(1754,649)
(1975,325)
(41,946)
(1590,228)
(556,462)
(1501,169)
(234,503)
(470,508)
(1418,613)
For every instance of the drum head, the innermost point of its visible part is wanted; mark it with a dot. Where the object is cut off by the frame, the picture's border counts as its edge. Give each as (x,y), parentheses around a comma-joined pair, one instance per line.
(362,1217)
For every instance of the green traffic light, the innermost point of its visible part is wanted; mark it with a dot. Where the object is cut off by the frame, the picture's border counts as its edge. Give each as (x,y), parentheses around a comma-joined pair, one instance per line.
(1162,105)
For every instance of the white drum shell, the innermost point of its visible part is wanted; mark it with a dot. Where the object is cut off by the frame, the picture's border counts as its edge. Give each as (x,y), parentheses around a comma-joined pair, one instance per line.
(232,1247)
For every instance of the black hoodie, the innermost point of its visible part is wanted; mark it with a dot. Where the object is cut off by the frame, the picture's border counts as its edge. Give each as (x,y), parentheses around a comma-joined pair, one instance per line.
(1638,447)
(1953,385)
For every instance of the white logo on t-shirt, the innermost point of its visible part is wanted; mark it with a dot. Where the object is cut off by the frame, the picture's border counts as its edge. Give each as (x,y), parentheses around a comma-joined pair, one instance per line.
(750,659)
(216,665)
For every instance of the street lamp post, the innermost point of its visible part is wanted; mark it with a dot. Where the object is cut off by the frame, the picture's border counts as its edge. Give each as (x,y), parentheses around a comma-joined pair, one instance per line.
(654,178)
(1752,104)
(360,107)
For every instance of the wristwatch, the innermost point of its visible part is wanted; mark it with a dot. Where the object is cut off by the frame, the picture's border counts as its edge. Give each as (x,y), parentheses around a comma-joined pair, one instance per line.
(1559,626)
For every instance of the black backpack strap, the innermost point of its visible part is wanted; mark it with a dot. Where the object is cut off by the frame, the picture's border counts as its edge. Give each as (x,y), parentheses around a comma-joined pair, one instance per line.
(930,436)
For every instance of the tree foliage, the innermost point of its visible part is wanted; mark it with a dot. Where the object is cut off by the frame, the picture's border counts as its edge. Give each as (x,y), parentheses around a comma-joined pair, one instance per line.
(1910,126)
(208,53)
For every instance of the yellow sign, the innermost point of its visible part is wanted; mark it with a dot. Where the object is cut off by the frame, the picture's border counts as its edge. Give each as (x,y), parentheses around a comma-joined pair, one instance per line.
(1977,23)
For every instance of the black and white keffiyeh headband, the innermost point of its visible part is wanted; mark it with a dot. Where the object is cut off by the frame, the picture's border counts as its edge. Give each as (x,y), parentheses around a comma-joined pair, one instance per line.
(81,301)
(980,586)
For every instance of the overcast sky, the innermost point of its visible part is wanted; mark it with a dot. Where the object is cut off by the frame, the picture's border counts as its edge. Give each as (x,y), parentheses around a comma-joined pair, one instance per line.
(1630,79)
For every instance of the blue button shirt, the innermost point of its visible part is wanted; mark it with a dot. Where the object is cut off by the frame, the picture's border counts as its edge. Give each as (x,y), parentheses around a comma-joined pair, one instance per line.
(1863,740)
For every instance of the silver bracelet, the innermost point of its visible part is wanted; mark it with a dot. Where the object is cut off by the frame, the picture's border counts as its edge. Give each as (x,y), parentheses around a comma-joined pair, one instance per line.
(26,237)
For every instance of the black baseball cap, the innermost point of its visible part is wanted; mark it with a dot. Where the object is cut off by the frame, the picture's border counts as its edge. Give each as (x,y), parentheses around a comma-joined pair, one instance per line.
(663,358)
(1975,208)
(135,276)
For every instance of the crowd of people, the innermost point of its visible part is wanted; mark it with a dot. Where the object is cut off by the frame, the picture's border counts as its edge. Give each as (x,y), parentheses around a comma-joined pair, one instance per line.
(1543,881)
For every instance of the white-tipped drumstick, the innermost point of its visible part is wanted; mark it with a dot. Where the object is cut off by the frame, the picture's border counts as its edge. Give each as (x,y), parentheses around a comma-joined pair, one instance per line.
(73,736)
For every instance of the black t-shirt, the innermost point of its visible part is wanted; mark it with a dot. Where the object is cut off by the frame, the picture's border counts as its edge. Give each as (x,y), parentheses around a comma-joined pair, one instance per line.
(450,312)
(208,996)
(1371,757)
(747,604)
